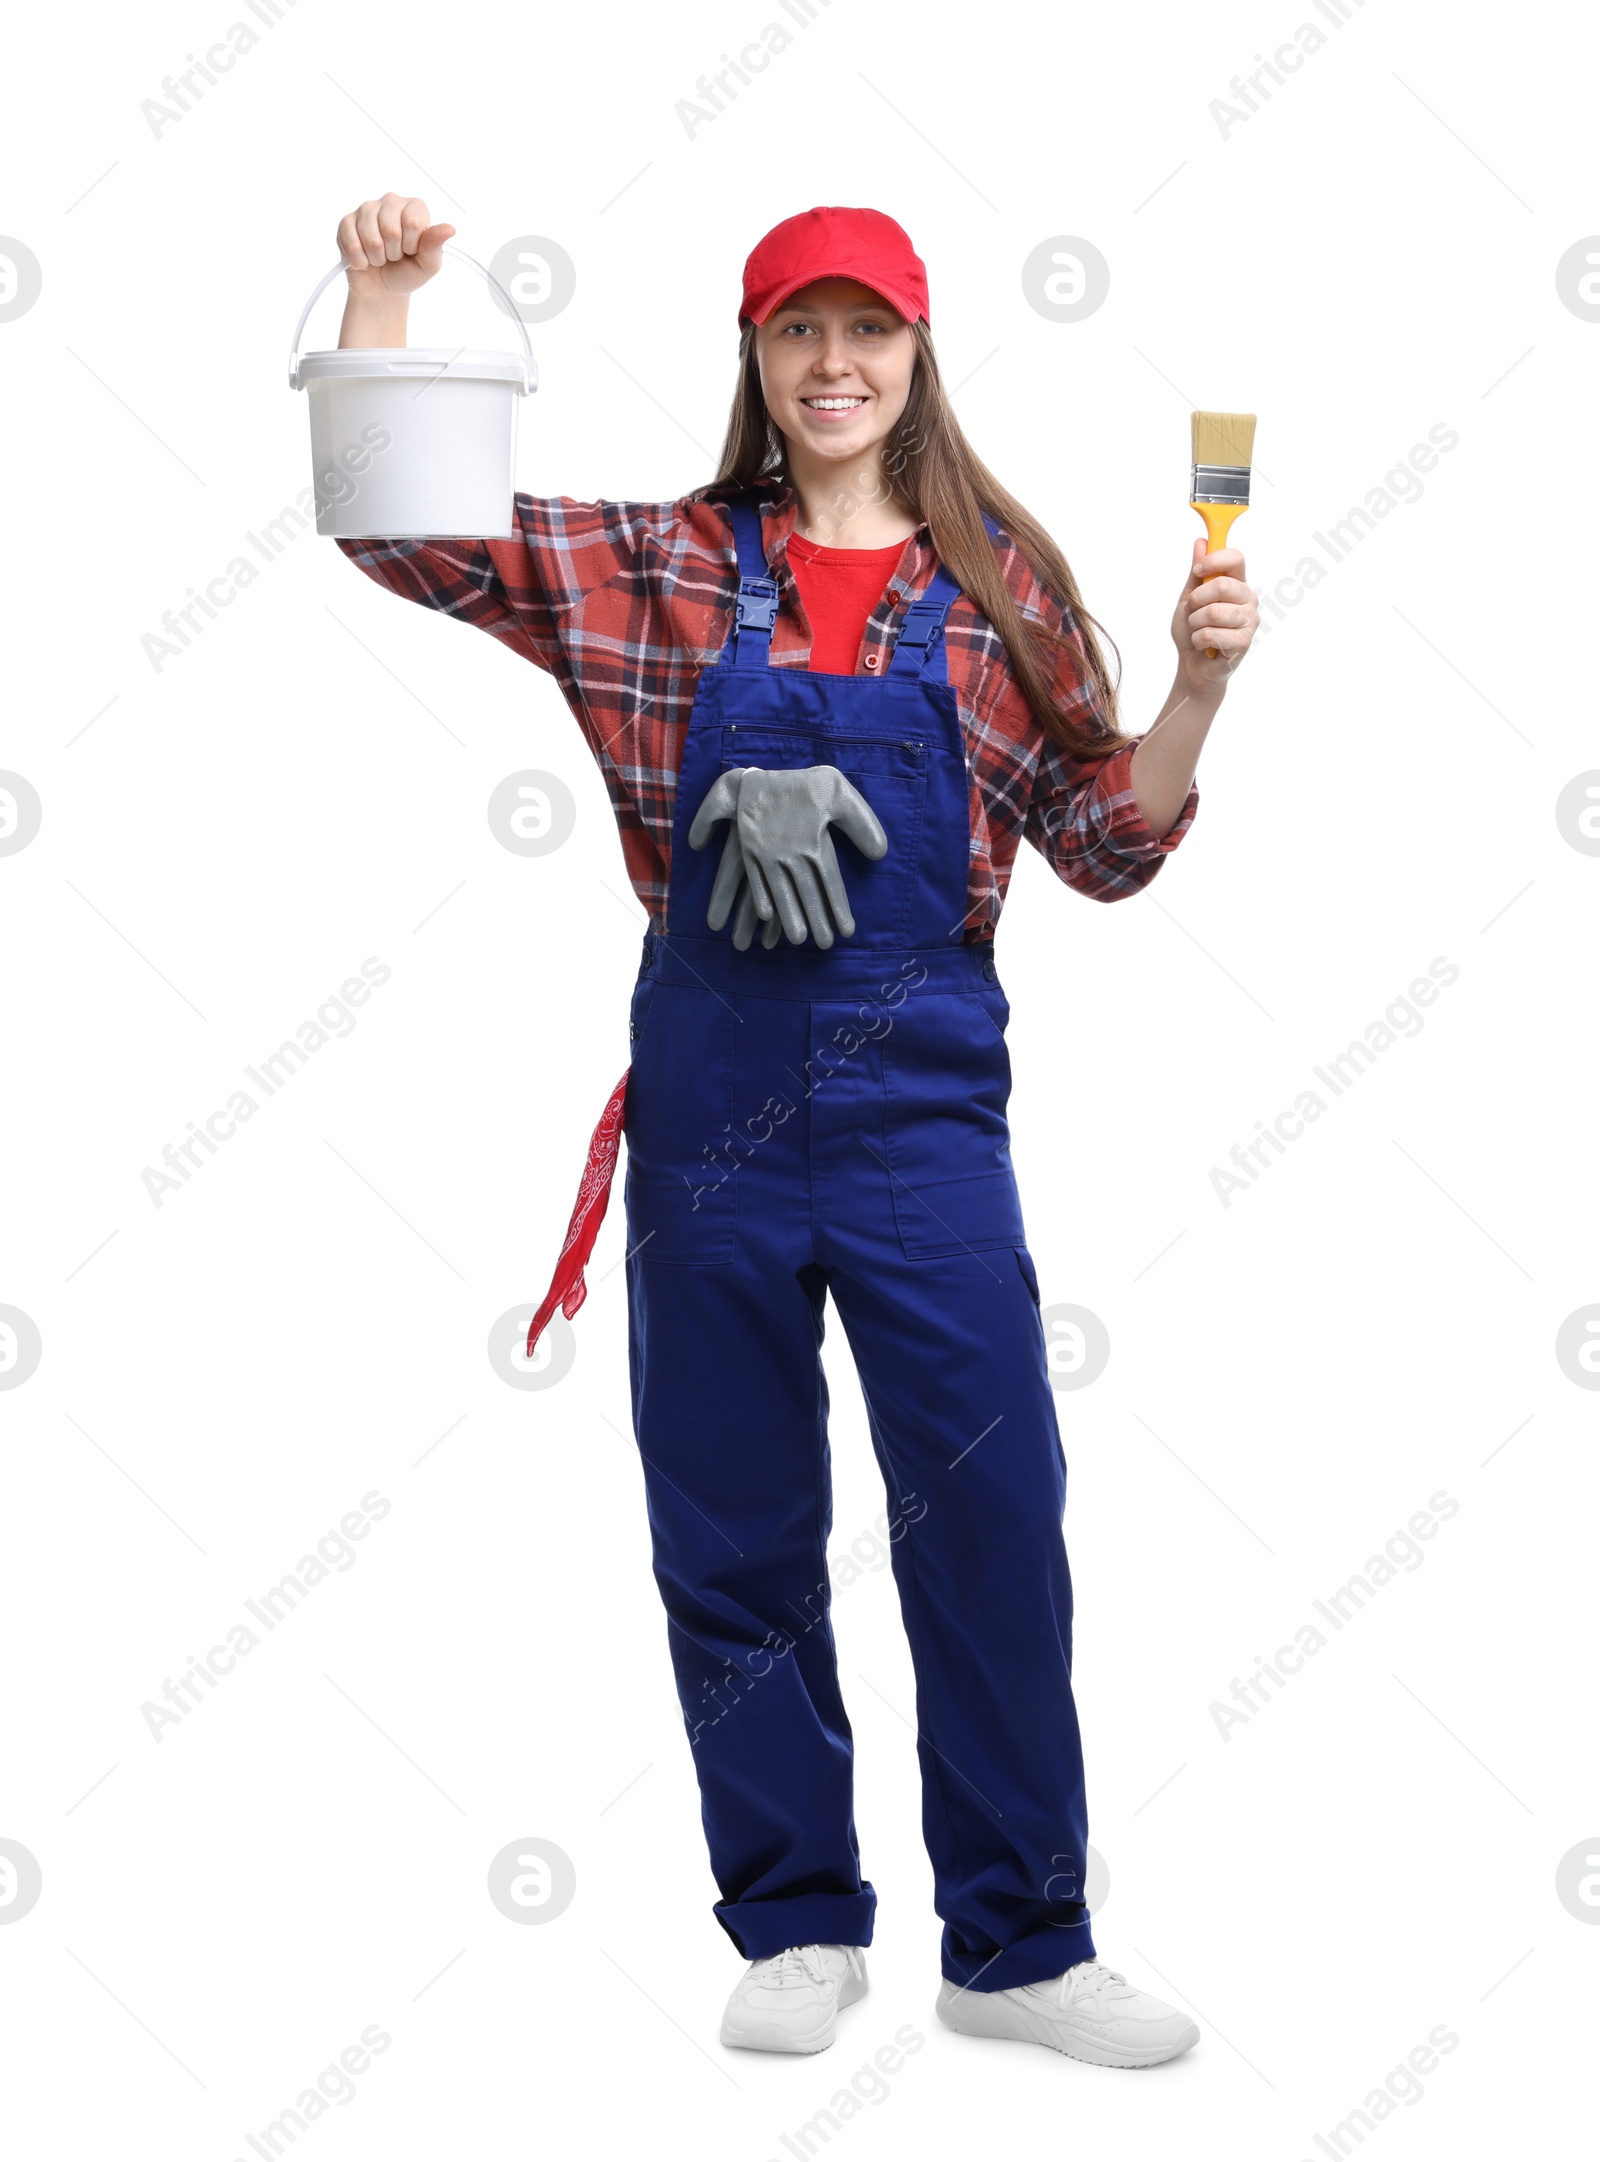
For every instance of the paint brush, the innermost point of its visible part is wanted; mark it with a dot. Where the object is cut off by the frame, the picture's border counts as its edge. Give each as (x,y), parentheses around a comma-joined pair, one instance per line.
(1219,483)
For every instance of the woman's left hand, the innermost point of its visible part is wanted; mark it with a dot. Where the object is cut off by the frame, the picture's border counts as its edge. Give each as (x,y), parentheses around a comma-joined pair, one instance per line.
(1216,609)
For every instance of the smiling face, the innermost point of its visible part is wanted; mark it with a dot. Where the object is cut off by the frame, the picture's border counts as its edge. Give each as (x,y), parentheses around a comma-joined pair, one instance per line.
(836,363)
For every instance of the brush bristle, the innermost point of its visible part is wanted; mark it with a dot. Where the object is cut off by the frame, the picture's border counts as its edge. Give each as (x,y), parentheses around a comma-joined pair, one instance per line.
(1222,438)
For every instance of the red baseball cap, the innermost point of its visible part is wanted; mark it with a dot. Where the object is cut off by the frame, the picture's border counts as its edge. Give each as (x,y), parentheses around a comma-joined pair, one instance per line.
(832,243)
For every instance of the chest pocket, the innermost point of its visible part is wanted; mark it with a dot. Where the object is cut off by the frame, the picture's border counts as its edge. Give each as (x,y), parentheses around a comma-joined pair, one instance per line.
(893,776)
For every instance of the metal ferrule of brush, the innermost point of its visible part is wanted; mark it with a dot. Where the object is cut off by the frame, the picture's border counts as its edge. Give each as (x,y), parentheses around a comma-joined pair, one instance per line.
(1219,484)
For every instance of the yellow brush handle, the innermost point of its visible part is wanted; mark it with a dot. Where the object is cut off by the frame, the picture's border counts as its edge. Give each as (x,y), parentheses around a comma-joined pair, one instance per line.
(1219,519)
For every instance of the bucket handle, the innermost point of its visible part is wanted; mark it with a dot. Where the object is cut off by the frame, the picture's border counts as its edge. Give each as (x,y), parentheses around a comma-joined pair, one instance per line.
(530,371)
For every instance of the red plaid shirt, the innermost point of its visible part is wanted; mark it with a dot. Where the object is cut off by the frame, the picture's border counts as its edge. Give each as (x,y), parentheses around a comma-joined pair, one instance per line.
(625,603)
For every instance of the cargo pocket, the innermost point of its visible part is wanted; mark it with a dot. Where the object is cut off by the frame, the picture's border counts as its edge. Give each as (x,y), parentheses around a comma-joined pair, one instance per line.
(947,1080)
(680,1191)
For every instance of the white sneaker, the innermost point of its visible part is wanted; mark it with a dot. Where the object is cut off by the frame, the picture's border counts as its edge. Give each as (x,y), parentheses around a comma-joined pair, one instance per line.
(793,2000)
(1089,2012)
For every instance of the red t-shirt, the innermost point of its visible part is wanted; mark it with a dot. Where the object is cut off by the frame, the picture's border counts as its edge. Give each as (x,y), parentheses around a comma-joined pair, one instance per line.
(839,588)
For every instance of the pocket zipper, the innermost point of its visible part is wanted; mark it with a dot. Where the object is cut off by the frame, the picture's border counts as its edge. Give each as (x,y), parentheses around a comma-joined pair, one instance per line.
(809,735)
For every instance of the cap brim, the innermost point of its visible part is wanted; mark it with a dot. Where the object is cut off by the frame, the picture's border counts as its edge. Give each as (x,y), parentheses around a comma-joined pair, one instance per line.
(816,277)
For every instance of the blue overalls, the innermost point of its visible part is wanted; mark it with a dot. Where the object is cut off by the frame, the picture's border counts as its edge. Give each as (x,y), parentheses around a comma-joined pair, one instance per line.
(802,1122)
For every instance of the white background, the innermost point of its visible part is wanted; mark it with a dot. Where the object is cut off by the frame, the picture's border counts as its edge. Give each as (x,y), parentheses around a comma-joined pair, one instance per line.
(224,842)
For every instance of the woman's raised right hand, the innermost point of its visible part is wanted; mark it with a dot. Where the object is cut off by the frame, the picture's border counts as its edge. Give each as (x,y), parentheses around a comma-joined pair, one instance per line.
(389,248)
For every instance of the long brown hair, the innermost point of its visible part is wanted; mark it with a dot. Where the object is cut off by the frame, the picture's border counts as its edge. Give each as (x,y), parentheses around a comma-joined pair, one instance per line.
(936,475)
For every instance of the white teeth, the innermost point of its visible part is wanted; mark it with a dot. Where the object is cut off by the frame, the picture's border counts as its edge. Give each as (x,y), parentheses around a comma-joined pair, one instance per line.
(832,405)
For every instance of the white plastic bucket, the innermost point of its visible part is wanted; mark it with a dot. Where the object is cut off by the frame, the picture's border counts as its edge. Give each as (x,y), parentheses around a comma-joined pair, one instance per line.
(413,442)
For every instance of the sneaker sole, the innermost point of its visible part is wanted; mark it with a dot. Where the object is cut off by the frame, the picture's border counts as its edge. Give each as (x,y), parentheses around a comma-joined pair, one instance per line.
(983,2015)
(780,2037)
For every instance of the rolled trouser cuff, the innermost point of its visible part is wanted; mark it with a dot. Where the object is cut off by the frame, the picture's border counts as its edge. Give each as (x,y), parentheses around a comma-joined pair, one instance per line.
(762,1928)
(1039,1957)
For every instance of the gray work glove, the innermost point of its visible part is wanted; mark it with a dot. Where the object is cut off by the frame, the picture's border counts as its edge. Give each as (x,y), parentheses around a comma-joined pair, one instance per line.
(778,864)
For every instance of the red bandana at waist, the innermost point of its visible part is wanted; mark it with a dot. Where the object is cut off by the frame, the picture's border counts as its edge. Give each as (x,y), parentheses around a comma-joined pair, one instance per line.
(567,1287)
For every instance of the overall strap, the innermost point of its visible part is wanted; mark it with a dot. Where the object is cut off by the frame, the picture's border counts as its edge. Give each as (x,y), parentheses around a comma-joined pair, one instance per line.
(919,650)
(756,608)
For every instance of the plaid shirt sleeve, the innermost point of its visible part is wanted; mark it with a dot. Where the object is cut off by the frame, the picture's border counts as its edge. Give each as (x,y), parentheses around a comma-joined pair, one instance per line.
(622,603)
(1082,814)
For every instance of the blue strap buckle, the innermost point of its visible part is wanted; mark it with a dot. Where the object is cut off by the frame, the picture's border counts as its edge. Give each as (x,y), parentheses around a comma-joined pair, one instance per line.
(757,606)
(917,636)
(921,626)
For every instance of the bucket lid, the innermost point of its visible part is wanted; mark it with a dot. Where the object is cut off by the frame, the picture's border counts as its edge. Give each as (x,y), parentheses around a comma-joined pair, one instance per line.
(464,364)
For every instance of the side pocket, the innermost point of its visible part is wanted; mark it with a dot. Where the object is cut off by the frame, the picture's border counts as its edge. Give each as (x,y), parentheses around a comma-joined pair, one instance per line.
(997,1012)
(680,1190)
(1030,1276)
(639,1011)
